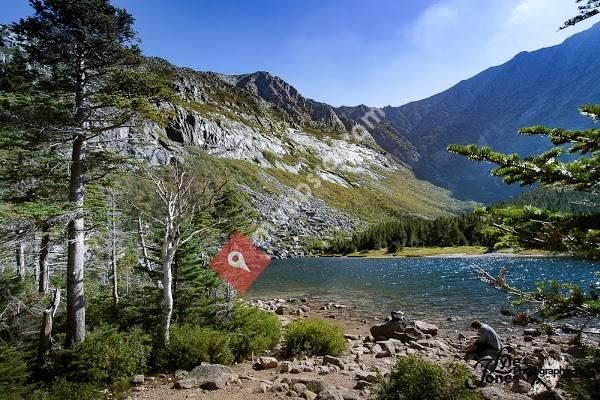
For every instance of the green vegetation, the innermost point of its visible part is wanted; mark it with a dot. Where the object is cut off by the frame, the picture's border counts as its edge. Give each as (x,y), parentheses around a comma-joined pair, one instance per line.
(190,345)
(420,252)
(413,378)
(246,332)
(252,331)
(408,232)
(13,373)
(108,356)
(314,337)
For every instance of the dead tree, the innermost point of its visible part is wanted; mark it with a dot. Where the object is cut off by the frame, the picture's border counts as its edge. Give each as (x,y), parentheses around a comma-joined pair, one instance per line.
(45,343)
(113,251)
(182,198)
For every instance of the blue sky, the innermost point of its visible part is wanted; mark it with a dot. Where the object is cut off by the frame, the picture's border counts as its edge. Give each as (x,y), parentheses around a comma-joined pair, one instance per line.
(345,52)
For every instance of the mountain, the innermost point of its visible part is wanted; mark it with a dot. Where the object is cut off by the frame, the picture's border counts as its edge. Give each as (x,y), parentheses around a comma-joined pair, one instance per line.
(310,172)
(544,87)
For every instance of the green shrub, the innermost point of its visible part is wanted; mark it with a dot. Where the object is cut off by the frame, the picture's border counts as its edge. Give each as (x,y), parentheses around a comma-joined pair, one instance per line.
(65,390)
(413,378)
(190,345)
(253,331)
(108,355)
(13,373)
(315,337)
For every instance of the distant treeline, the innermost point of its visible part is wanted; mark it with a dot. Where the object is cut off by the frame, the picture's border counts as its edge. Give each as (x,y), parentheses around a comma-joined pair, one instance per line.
(462,230)
(556,200)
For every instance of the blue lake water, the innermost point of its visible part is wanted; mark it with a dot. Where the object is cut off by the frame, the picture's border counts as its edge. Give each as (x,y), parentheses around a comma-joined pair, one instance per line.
(432,287)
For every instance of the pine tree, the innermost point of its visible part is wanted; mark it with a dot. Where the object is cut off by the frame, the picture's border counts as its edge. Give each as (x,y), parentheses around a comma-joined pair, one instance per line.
(535,227)
(89,83)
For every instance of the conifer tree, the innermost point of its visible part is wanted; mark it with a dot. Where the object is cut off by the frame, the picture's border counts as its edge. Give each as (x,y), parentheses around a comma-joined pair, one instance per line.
(89,83)
(544,228)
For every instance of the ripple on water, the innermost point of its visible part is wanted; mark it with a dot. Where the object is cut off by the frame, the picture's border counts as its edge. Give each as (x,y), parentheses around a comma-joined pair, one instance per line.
(441,287)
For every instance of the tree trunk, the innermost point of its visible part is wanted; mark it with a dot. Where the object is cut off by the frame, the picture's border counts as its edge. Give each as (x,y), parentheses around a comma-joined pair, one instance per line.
(20,258)
(76,248)
(45,342)
(167,309)
(43,264)
(146,259)
(113,254)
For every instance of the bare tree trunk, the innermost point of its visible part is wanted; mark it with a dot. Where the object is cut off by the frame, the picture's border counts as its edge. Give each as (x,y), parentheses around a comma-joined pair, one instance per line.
(45,343)
(146,259)
(113,253)
(76,248)
(167,309)
(43,264)
(20,258)
(33,261)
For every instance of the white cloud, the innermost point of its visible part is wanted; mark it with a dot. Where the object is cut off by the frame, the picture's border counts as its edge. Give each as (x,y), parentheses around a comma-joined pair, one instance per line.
(449,41)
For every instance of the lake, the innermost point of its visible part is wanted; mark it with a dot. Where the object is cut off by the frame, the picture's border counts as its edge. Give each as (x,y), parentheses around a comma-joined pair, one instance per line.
(432,287)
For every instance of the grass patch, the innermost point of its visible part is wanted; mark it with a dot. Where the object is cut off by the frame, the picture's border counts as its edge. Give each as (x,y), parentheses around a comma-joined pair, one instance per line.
(421,252)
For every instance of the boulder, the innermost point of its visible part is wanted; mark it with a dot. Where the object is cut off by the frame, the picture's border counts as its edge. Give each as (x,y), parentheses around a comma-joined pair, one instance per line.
(207,376)
(334,361)
(308,395)
(426,328)
(397,315)
(286,366)
(281,310)
(532,332)
(268,362)
(388,330)
(361,385)
(495,393)
(299,387)
(314,385)
(410,334)
(330,394)
(366,376)
(138,379)
(520,386)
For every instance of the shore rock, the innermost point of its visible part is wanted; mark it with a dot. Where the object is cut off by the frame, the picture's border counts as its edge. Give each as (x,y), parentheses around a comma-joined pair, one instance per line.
(330,394)
(401,330)
(426,328)
(495,393)
(268,362)
(334,361)
(207,376)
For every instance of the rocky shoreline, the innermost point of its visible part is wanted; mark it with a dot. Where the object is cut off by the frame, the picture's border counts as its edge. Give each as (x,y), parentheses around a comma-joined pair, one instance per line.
(373,346)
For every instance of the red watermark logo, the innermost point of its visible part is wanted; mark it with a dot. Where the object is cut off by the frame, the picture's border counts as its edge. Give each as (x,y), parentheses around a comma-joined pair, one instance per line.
(240,262)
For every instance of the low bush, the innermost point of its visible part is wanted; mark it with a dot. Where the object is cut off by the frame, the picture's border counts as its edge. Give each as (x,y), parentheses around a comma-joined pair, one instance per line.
(190,345)
(65,390)
(13,373)
(413,378)
(253,331)
(108,356)
(314,337)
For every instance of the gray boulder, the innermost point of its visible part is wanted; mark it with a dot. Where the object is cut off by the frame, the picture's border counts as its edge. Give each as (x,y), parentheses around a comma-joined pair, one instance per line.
(330,394)
(495,393)
(426,328)
(207,376)
(334,361)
